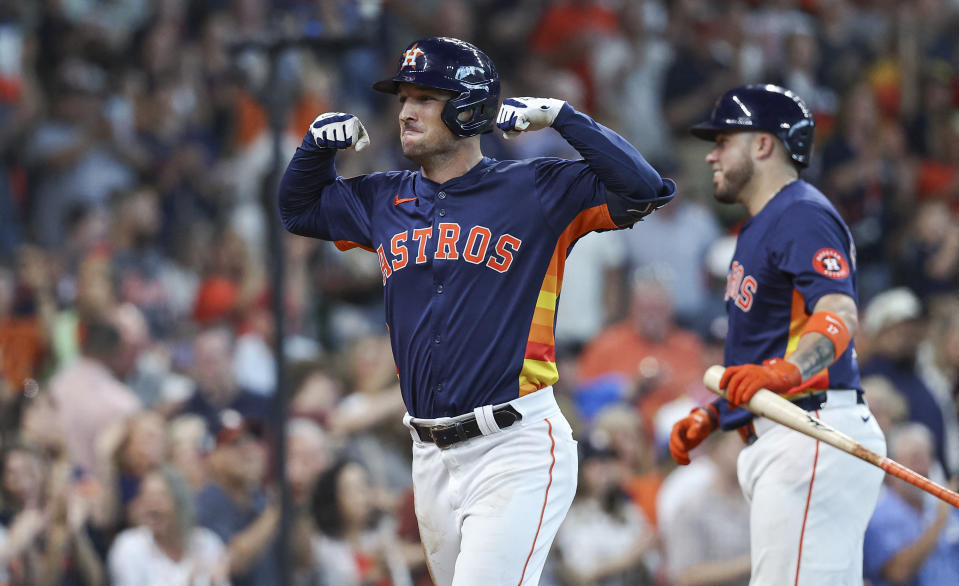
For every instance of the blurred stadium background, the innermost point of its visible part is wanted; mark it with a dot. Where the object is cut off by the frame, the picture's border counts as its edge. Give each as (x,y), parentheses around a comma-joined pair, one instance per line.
(157,331)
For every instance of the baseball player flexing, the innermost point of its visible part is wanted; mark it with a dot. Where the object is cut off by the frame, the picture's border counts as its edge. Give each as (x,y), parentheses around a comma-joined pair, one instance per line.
(791,301)
(472,253)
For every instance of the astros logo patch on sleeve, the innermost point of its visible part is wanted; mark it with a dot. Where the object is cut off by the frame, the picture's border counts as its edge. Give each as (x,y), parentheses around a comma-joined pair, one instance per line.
(830,263)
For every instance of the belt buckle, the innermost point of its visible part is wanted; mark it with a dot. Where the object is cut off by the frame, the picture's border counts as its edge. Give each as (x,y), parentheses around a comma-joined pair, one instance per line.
(459,430)
(432,431)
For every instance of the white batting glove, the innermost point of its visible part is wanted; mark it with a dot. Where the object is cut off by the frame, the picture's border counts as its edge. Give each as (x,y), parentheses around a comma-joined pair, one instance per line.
(338,130)
(524,114)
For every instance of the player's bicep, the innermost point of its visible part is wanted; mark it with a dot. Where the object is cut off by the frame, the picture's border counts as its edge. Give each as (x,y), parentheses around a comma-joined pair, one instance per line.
(817,251)
(568,188)
(341,212)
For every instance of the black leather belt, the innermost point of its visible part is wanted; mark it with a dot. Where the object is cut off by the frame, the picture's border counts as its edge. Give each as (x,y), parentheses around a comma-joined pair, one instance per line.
(445,436)
(815,401)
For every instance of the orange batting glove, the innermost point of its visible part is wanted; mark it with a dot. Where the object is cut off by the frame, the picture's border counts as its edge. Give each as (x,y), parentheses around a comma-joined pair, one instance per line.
(775,374)
(690,431)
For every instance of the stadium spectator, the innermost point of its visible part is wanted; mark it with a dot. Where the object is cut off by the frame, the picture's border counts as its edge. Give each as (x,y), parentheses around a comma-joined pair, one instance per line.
(929,258)
(887,404)
(912,538)
(44,518)
(216,388)
(593,291)
(566,35)
(188,443)
(630,67)
(937,364)
(865,171)
(648,351)
(354,543)
(368,420)
(606,539)
(27,308)
(164,545)
(633,446)
(894,322)
(89,396)
(127,451)
(674,246)
(706,542)
(235,504)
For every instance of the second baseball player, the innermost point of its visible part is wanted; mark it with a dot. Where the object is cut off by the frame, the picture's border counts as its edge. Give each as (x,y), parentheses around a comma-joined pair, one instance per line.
(791,302)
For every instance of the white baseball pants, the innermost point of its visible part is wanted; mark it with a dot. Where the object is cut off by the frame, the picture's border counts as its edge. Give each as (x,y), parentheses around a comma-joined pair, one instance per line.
(810,502)
(489,508)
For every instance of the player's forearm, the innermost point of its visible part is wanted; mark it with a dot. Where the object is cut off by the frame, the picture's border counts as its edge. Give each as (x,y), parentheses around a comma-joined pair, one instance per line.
(813,353)
(310,170)
(618,164)
(816,351)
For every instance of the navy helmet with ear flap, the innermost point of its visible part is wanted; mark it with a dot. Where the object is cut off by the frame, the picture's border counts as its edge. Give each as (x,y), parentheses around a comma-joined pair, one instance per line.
(456,66)
(763,107)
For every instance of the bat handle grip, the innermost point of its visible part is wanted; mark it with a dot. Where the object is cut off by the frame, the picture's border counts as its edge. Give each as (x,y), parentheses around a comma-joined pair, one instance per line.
(900,471)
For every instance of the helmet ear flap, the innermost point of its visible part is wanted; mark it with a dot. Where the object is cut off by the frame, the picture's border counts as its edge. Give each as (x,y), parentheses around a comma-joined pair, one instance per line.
(798,140)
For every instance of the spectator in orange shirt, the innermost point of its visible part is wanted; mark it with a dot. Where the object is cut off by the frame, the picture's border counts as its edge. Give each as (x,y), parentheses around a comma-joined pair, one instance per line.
(657,360)
(26,309)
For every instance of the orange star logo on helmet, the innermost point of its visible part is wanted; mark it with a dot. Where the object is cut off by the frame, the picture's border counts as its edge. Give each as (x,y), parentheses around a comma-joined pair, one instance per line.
(409,57)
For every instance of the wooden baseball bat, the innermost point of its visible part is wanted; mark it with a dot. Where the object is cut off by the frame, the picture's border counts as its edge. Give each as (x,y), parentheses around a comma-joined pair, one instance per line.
(768,404)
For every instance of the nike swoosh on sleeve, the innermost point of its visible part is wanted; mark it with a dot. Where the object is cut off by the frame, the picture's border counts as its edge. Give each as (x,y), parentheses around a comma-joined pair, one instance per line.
(397,201)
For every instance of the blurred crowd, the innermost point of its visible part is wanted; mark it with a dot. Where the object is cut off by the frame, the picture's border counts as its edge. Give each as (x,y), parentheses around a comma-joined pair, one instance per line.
(137,337)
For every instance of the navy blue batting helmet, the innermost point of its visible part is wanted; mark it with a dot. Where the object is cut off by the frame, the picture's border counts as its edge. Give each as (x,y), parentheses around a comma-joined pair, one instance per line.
(764,107)
(457,66)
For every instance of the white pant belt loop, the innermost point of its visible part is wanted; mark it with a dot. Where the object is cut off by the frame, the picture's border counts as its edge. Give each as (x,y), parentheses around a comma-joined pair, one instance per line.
(485,420)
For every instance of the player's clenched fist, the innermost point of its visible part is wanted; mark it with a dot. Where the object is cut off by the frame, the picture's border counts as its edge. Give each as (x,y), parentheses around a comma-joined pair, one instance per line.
(338,130)
(524,114)
(690,431)
(775,374)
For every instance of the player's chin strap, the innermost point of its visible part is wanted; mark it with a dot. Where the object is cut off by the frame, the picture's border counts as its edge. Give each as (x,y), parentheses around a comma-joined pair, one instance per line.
(485,420)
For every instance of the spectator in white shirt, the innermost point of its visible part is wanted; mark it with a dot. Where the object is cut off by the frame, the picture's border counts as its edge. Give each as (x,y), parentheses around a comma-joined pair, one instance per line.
(165,547)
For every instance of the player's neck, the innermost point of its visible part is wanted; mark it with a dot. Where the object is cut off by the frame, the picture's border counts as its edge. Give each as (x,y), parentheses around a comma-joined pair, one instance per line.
(443,167)
(764,187)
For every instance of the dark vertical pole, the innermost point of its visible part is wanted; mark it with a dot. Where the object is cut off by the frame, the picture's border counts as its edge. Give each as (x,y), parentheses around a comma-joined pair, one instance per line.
(276,99)
(276,96)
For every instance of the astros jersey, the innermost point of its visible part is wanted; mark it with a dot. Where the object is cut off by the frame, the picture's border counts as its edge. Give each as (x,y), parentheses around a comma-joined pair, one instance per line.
(794,251)
(472,268)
